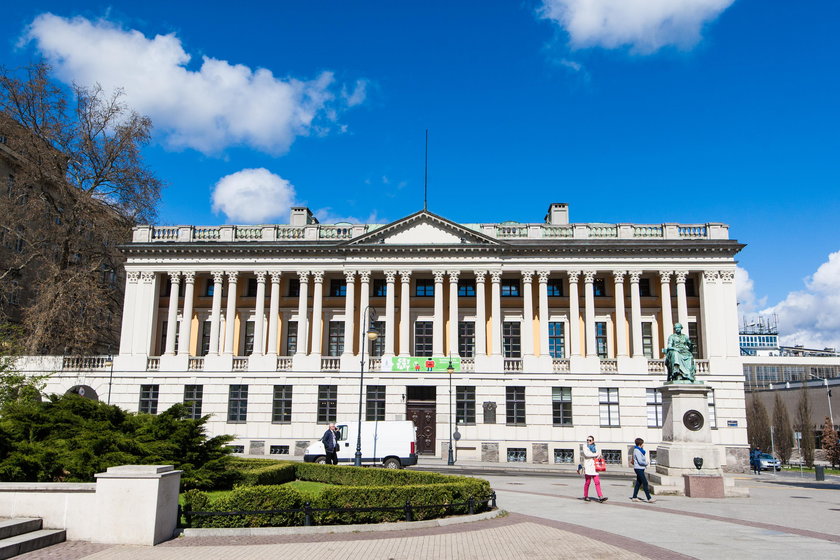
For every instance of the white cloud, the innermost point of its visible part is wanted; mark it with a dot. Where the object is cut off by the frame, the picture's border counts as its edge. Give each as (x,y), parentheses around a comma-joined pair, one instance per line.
(253,196)
(643,25)
(748,303)
(217,105)
(811,317)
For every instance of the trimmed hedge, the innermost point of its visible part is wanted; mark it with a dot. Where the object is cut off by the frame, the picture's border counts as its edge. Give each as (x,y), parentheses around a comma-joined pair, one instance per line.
(258,490)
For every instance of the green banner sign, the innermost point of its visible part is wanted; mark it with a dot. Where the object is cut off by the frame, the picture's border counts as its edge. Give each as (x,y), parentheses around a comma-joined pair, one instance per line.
(417,364)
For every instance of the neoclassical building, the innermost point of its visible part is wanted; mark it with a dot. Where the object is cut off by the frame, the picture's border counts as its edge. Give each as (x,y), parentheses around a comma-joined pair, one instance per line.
(554,330)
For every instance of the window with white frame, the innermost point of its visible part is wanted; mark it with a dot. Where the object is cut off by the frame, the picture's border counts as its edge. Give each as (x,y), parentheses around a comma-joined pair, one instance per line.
(601,339)
(710,398)
(654,408)
(561,404)
(193,397)
(608,407)
(556,339)
(149,398)
(647,339)
(336,338)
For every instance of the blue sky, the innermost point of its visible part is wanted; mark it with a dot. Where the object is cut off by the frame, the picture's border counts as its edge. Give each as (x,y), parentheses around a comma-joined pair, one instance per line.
(629,110)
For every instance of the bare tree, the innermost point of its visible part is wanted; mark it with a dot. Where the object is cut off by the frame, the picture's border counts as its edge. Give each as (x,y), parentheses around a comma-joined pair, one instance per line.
(758,424)
(806,427)
(77,183)
(782,429)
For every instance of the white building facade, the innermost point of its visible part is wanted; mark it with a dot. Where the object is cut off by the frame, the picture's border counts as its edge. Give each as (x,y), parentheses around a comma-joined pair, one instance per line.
(555,331)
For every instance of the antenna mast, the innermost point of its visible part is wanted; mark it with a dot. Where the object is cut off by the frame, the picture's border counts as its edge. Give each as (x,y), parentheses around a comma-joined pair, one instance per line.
(426,175)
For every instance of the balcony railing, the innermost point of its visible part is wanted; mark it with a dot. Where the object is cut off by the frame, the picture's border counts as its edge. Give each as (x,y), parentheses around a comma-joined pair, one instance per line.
(240,364)
(656,366)
(560,365)
(467,364)
(330,364)
(85,362)
(152,364)
(195,364)
(609,366)
(506,230)
(513,365)
(284,363)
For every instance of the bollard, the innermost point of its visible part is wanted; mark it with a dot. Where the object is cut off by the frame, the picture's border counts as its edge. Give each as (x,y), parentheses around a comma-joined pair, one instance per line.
(407,510)
(472,505)
(493,499)
(819,470)
(307,514)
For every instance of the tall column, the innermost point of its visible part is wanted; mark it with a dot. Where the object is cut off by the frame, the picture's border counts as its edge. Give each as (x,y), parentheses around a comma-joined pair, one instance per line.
(317,312)
(405,312)
(259,311)
(364,303)
(303,326)
(636,313)
(349,312)
(453,313)
(144,312)
(667,317)
(216,311)
(273,312)
(574,313)
(129,304)
(589,312)
(528,312)
(390,312)
(186,320)
(480,314)
(437,332)
(711,304)
(620,319)
(543,310)
(682,302)
(230,313)
(729,301)
(496,311)
(172,316)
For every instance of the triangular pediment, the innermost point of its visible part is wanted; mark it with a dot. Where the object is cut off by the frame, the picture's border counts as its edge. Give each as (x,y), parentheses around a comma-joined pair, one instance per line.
(424,228)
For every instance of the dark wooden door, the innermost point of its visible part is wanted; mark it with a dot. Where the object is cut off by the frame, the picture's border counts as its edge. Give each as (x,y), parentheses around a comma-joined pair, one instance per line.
(423,416)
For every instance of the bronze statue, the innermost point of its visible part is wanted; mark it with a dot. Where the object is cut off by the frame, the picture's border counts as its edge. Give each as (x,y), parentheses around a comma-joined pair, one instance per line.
(679,360)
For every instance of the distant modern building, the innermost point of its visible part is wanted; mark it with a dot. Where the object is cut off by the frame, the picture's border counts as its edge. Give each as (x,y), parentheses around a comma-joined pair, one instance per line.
(554,330)
(759,337)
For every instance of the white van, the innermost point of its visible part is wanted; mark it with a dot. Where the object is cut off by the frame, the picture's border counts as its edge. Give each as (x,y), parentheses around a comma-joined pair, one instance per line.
(391,444)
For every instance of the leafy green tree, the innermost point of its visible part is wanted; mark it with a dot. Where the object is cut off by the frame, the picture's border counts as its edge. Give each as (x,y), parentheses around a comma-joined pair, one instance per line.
(806,427)
(830,442)
(14,385)
(782,429)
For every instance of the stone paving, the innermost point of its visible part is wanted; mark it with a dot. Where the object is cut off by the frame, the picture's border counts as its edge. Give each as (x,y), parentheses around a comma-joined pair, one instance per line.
(786,517)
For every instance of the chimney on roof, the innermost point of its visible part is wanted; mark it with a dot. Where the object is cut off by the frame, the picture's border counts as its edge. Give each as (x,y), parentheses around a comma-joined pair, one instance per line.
(558,214)
(301,216)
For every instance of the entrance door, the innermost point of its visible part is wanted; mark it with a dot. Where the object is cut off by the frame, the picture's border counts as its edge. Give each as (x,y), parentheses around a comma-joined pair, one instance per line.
(420,409)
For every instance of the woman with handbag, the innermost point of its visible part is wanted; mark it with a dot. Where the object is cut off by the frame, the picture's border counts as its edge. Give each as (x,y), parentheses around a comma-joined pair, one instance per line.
(591,456)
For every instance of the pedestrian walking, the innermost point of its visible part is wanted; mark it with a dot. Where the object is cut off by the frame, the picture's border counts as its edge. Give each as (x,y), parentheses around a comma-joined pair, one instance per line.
(590,453)
(330,441)
(755,460)
(640,461)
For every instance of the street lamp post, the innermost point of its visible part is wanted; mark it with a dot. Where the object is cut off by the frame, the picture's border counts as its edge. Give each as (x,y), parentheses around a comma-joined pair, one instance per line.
(450,370)
(110,363)
(369,315)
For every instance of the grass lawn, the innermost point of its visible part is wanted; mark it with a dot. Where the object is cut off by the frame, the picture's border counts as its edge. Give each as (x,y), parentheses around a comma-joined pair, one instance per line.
(795,468)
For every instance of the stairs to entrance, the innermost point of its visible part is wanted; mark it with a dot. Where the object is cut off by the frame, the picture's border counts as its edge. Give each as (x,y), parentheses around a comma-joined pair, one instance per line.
(25,535)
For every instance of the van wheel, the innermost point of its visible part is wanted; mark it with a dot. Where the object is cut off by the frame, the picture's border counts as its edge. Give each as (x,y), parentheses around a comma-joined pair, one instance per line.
(392,463)
(320,460)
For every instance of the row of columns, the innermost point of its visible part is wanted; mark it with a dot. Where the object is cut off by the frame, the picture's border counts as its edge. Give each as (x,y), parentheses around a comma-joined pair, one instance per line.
(225,345)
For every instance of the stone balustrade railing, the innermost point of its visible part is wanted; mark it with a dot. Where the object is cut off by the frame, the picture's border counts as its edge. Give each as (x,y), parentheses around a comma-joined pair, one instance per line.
(85,362)
(315,232)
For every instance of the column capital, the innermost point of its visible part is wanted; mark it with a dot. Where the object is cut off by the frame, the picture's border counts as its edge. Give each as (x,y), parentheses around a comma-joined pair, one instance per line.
(495,276)
(350,276)
(174,276)
(680,276)
(218,276)
(132,276)
(189,277)
(618,275)
(438,274)
(635,275)
(543,276)
(665,275)
(527,276)
(318,276)
(727,275)
(147,277)
(303,275)
(589,276)
(390,276)
(275,276)
(710,275)
(405,276)
(573,275)
(364,276)
(260,276)
(453,275)
(479,275)
(232,275)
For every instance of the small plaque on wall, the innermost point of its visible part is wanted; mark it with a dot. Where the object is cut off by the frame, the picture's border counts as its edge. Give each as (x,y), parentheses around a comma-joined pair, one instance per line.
(731,423)
(489,412)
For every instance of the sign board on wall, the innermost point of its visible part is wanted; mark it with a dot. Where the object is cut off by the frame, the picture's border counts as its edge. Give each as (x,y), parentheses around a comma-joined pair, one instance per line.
(421,364)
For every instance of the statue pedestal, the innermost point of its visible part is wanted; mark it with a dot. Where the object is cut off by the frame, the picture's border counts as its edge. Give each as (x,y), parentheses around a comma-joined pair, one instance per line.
(686,436)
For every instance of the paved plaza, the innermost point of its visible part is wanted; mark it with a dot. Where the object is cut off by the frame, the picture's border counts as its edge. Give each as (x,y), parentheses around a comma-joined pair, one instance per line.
(787,516)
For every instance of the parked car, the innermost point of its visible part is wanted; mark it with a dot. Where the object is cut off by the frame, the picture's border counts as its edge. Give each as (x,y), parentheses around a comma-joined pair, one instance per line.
(769,463)
(390,444)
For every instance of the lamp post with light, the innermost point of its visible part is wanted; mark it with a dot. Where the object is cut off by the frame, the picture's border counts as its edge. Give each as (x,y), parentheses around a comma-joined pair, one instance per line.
(450,370)
(369,315)
(827,394)
(110,363)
